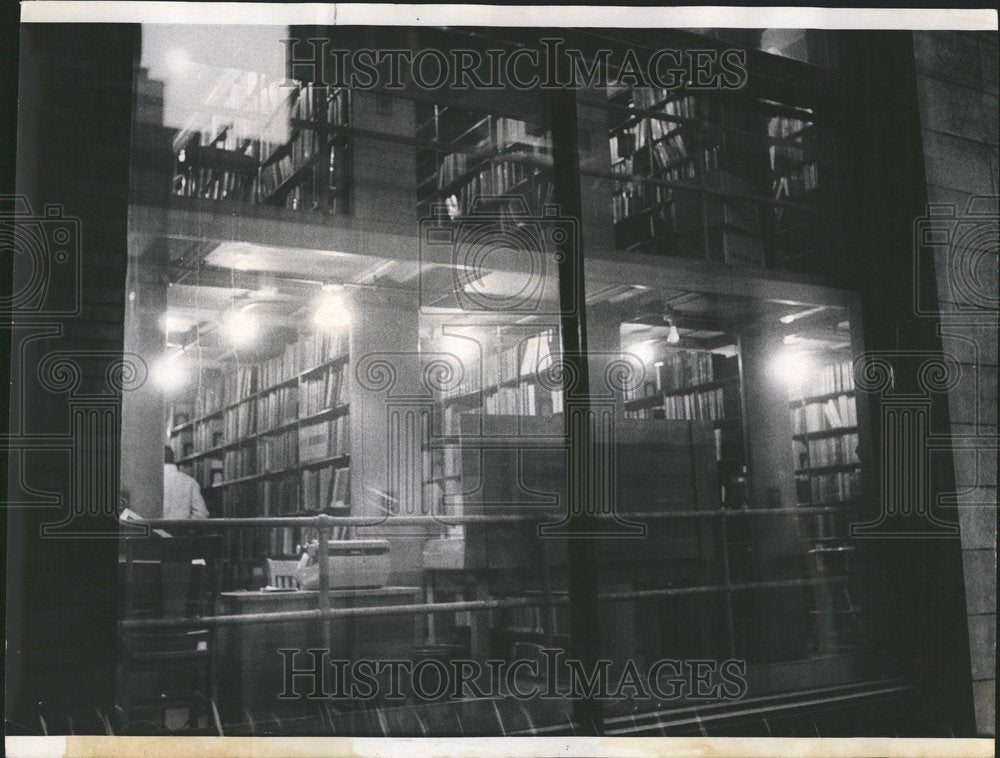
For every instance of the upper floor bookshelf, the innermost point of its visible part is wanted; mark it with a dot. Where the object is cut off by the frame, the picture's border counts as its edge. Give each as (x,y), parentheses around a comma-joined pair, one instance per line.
(266,141)
(716,176)
(477,156)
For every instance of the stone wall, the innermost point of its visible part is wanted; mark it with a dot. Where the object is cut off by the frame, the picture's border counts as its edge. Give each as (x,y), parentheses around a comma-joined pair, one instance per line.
(957,90)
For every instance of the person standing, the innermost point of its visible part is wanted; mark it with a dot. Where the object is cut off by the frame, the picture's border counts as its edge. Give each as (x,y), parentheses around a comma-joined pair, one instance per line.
(181,494)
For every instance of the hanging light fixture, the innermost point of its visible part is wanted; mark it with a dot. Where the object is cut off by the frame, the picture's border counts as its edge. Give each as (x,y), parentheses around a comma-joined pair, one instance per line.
(171,372)
(331,310)
(240,326)
(673,336)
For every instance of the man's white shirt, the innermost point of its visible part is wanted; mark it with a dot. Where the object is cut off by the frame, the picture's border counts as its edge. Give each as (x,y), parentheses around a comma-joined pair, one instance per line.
(181,495)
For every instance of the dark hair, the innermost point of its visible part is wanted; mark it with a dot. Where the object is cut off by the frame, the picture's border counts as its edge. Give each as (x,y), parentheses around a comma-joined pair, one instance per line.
(168,454)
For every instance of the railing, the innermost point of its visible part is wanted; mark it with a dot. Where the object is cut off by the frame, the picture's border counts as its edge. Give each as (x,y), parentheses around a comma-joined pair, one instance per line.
(324,524)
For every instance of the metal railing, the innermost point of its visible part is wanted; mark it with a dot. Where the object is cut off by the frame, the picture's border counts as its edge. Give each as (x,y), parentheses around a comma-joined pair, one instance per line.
(324,524)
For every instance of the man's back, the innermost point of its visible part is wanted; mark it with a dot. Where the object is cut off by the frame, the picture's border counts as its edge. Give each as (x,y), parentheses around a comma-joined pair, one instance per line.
(181,495)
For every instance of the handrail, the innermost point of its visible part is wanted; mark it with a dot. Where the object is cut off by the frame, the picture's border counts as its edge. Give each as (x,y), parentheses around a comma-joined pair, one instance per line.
(327,521)
(328,614)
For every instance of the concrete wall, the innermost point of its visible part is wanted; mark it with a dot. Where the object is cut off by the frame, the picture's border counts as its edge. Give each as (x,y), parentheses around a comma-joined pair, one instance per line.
(957,90)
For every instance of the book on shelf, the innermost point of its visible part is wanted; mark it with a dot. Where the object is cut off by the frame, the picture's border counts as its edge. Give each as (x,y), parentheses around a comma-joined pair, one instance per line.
(278,407)
(240,462)
(827,488)
(833,378)
(831,414)
(241,420)
(325,487)
(833,451)
(180,413)
(277,452)
(327,389)
(239,384)
(324,439)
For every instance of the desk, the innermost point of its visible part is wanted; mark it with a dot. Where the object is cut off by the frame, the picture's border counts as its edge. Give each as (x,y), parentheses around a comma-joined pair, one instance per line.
(251,669)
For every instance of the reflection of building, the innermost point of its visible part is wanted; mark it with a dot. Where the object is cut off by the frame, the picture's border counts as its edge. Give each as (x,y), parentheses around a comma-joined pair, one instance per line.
(728,270)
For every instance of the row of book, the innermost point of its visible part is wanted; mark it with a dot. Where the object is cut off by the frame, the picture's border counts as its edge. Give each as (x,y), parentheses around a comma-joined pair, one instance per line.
(295,492)
(684,368)
(667,101)
(209,395)
(320,102)
(827,488)
(795,181)
(834,377)
(299,182)
(240,462)
(276,452)
(832,451)
(316,349)
(278,407)
(513,131)
(208,434)
(834,413)
(241,420)
(679,209)
(327,389)
(525,358)
(536,193)
(215,183)
(518,400)
(239,384)
(704,405)
(279,495)
(308,352)
(325,439)
(326,487)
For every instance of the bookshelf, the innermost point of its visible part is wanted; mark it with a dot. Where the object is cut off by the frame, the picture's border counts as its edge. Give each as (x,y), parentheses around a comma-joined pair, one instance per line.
(695,178)
(700,385)
(655,218)
(263,142)
(828,470)
(273,438)
(501,380)
(480,156)
(825,437)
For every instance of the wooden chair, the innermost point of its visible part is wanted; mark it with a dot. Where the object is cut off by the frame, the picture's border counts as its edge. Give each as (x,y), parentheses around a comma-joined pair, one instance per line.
(164,669)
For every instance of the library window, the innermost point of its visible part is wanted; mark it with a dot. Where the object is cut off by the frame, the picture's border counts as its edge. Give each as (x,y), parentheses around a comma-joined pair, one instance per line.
(354,312)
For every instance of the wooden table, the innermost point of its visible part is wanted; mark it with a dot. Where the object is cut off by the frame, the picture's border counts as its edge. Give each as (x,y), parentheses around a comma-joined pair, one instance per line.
(251,671)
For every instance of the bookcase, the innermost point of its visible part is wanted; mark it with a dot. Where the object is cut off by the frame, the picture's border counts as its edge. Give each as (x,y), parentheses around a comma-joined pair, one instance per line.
(493,156)
(700,385)
(825,427)
(655,218)
(499,380)
(828,470)
(272,437)
(264,142)
(716,171)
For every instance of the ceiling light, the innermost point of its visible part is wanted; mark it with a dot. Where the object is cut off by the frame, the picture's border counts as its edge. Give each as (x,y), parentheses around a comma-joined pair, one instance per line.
(646,351)
(331,310)
(673,336)
(241,327)
(794,368)
(171,373)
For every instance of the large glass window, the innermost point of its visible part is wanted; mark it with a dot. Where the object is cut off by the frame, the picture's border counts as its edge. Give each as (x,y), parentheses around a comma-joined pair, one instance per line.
(350,304)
